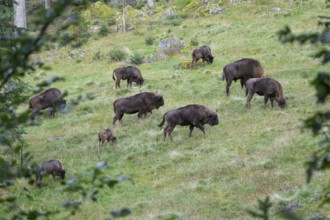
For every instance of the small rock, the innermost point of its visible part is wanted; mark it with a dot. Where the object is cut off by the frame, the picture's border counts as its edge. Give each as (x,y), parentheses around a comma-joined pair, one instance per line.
(276,9)
(291,207)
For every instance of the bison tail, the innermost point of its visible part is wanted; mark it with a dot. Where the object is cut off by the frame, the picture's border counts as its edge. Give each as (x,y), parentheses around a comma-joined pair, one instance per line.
(113,76)
(162,122)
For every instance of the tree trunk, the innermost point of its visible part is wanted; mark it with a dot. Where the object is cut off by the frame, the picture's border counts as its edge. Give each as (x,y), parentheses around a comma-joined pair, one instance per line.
(48,4)
(20,14)
(150,3)
(124,19)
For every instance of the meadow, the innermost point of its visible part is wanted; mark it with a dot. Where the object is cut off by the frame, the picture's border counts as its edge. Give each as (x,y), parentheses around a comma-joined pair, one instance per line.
(252,153)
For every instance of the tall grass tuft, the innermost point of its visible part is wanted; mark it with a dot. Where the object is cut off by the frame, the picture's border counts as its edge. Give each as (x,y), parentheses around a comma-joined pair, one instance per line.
(117,54)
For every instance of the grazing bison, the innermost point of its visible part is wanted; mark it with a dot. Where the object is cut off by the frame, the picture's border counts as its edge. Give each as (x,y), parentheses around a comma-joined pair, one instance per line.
(243,70)
(51,167)
(106,135)
(129,73)
(51,98)
(142,103)
(203,53)
(192,115)
(268,87)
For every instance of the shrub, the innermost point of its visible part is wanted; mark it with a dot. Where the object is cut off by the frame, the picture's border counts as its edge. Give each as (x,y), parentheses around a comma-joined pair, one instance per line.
(104,31)
(149,40)
(136,59)
(98,56)
(117,54)
(194,42)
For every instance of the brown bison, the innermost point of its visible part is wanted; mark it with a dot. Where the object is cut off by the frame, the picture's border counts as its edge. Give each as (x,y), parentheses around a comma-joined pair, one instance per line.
(51,98)
(106,135)
(51,167)
(129,73)
(243,70)
(142,103)
(193,115)
(267,87)
(203,53)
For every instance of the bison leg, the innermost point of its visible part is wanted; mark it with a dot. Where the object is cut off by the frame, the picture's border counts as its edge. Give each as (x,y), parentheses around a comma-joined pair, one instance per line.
(265,100)
(129,83)
(271,102)
(118,116)
(227,87)
(191,128)
(33,115)
(248,99)
(117,83)
(200,126)
(168,130)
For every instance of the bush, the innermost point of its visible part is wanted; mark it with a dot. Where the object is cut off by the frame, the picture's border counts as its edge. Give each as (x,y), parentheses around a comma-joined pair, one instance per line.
(104,31)
(149,40)
(194,42)
(117,54)
(136,59)
(98,56)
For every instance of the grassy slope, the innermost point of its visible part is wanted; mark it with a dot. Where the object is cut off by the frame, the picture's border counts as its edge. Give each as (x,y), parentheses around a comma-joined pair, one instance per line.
(250,154)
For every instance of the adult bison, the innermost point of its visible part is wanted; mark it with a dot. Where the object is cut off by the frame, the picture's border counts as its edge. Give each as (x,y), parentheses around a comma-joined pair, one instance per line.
(51,167)
(141,103)
(106,135)
(267,87)
(203,53)
(129,73)
(51,98)
(193,115)
(243,70)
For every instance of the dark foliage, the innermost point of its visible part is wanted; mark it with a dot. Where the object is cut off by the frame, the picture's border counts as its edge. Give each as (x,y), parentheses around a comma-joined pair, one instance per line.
(15,52)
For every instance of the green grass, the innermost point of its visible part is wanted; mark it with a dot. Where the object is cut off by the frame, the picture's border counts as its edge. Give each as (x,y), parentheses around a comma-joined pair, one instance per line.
(252,153)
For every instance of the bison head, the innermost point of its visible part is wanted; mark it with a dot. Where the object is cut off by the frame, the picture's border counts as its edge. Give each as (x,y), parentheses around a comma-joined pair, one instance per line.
(62,174)
(138,81)
(211,58)
(281,103)
(213,119)
(158,101)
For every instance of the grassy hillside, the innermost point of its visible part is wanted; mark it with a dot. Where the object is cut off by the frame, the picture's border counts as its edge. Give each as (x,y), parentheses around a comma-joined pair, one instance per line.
(252,153)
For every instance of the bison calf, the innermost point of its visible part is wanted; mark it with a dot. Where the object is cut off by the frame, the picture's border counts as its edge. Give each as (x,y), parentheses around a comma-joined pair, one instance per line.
(193,115)
(203,53)
(51,98)
(106,135)
(243,70)
(267,87)
(51,167)
(129,73)
(141,103)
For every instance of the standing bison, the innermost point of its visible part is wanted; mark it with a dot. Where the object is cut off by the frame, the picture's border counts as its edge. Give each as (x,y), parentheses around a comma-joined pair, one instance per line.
(106,135)
(268,87)
(243,70)
(51,98)
(51,167)
(193,115)
(129,73)
(203,53)
(141,103)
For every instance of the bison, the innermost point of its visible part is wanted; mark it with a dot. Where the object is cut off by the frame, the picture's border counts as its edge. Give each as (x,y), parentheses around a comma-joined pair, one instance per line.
(267,87)
(142,103)
(243,70)
(51,167)
(106,135)
(193,115)
(203,53)
(51,98)
(129,73)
